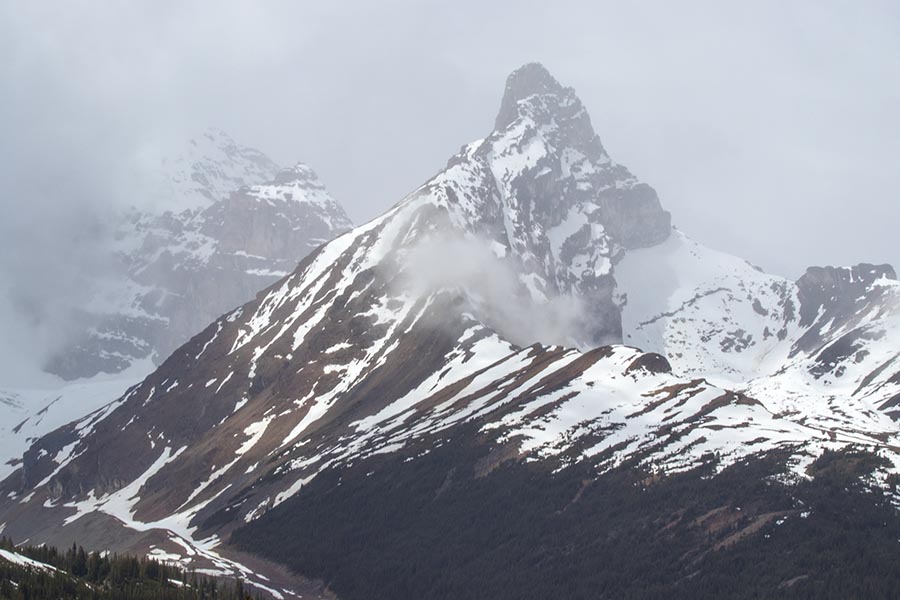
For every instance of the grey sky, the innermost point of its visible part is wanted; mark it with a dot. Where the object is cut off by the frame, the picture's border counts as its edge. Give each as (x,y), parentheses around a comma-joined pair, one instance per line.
(770,129)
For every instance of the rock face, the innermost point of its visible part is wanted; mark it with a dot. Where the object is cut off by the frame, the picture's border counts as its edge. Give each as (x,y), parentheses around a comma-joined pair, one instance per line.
(279,221)
(443,324)
(179,271)
(839,295)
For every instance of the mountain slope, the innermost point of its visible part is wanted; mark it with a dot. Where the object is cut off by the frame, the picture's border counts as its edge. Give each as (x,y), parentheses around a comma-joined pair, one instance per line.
(44,572)
(28,414)
(470,317)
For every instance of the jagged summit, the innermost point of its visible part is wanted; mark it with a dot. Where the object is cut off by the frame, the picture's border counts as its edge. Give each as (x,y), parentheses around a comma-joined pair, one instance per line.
(532,94)
(548,127)
(532,78)
(528,80)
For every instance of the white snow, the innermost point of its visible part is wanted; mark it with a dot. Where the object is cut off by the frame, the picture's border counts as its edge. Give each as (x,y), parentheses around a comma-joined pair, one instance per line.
(42,410)
(18,559)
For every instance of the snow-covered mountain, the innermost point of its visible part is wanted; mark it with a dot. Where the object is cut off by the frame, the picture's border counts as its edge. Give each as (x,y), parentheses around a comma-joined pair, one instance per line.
(246,224)
(477,313)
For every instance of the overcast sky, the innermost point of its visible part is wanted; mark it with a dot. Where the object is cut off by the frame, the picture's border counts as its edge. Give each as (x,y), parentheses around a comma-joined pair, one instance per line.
(770,129)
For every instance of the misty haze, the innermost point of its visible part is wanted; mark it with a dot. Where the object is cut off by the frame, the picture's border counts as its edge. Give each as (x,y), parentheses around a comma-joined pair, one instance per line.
(449,300)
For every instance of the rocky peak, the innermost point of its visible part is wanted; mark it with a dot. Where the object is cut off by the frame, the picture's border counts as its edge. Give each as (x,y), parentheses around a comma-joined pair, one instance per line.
(532,95)
(542,188)
(567,168)
(526,81)
(300,173)
(214,144)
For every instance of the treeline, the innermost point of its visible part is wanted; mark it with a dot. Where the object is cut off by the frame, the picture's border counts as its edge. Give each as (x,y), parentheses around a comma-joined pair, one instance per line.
(82,575)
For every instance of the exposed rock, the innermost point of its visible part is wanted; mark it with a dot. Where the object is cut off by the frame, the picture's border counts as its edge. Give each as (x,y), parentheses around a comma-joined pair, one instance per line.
(837,290)
(651,363)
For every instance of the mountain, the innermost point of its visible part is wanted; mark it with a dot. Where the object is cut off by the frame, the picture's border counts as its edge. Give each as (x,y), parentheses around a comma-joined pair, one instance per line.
(248,225)
(439,403)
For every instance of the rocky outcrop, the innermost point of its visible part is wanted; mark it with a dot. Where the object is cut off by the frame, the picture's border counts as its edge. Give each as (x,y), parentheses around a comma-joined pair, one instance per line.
(835,293)
(281,220)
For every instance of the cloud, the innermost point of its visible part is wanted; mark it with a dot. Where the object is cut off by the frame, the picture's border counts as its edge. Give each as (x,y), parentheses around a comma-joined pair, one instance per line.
(491,286)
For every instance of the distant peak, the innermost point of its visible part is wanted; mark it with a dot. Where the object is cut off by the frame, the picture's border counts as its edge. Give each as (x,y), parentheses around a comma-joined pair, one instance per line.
(299,172)
(528,80)
(532,78)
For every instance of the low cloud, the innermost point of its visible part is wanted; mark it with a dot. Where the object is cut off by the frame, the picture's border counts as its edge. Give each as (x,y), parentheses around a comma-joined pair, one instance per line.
(47,269)
(495,290)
